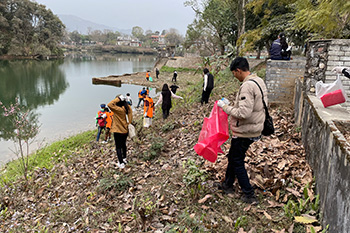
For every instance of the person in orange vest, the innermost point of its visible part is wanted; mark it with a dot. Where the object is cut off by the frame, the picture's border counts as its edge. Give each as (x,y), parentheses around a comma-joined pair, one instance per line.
(147,75)
(140,97)
(148,107)
(100,121)
(109,115)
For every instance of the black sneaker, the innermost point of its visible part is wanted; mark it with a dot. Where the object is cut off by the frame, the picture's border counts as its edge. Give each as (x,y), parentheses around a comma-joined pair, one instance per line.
(249,199)
(224,188)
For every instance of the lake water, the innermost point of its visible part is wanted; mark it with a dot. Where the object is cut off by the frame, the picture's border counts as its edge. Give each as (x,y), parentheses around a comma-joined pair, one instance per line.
(62,93)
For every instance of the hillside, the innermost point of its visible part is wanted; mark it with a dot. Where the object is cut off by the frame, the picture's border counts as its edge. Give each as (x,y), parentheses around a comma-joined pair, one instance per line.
(74,23)
(166,186)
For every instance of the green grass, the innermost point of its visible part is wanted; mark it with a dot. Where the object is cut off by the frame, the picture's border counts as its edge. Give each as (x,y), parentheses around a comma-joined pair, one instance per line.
(172,69)
(48,156)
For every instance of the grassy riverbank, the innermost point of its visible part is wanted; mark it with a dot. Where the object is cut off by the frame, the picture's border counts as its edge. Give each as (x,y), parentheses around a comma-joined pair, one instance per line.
(47,157)
(166,186)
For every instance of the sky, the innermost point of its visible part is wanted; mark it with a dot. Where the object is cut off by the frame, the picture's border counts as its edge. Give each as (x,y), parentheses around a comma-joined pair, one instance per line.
(155,15)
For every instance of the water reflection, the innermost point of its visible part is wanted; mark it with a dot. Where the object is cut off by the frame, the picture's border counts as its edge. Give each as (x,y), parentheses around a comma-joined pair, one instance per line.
(35,83)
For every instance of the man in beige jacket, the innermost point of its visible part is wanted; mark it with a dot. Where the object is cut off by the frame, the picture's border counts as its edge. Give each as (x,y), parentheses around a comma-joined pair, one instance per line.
(246,120)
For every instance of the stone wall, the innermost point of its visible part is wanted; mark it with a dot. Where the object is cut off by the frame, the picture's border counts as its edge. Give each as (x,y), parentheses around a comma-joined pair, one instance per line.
(280,79)
(323,56)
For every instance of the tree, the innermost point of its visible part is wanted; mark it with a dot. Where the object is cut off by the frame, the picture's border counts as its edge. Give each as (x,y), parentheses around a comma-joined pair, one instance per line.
(75,37)
(323,18)
(267,18)
(28,28)
(173,37)
(137,32)
(25,127)
(216,22)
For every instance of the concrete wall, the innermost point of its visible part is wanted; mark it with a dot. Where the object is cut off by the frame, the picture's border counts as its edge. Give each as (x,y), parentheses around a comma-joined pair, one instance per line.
(328,153)
(327,150)
(280,79)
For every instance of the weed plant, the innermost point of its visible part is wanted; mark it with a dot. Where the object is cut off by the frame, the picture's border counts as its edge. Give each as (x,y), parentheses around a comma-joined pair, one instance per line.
(117,182)
(155,149)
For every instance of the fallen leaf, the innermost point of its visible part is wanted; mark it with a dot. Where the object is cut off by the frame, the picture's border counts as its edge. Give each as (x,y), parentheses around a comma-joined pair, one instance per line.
(204,199)
(291,228)
(227,219)
(294,192)
(305,219)
(267,215)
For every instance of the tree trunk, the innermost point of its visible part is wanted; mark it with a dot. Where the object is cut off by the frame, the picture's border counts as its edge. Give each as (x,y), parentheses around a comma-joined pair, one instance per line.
(258,54)
(241,22)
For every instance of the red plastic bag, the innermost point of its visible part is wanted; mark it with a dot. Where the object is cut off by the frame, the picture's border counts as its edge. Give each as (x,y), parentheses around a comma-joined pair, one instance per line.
(214,133)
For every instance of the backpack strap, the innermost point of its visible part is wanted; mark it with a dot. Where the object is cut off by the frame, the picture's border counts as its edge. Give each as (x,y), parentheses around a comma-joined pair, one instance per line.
(262,96)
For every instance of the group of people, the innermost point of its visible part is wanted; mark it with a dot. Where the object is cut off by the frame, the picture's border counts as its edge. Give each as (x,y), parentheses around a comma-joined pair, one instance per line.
(148,75)
(246,120)
(114,118)
(104,120)
(149,78)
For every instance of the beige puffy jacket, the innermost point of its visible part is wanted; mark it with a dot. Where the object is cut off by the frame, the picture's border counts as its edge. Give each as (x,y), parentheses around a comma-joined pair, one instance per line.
(119,123)
(247,116)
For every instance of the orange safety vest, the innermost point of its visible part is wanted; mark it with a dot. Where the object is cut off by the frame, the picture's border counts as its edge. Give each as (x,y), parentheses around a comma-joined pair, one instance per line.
(140,96)
(150,102)
(109,119)
(147,91)
(147,74)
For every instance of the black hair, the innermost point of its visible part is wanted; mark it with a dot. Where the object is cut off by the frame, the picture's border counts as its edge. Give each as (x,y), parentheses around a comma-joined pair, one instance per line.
(125,104)
(205,70)
(283,40)
(127,94)
(239,63)
(165,87)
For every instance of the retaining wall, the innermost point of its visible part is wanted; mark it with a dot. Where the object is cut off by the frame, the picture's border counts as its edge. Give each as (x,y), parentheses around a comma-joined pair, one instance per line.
(326,147)
(280,79)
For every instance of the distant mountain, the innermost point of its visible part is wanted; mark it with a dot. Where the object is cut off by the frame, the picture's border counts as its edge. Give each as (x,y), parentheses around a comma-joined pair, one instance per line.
(74,23)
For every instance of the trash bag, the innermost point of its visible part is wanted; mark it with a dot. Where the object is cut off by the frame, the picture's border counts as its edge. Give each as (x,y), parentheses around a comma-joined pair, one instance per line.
(213,134)
(150,79)
(331,93)
(147,122)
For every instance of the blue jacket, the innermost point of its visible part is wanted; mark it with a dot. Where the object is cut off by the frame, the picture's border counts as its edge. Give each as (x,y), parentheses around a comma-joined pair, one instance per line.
(275,50)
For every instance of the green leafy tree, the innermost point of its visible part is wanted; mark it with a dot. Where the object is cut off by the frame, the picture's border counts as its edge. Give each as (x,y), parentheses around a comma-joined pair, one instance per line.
(323,18)
(75,37)
(28,28)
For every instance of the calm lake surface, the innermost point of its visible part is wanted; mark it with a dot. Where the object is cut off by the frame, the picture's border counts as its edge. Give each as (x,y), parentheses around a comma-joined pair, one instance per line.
(62,93)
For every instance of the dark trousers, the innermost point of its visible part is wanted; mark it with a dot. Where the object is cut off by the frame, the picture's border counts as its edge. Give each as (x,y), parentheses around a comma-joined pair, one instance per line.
(166,113)
(140,99)
(120,145)
(99,132)
(235,167)
(174,79)
(205,96)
